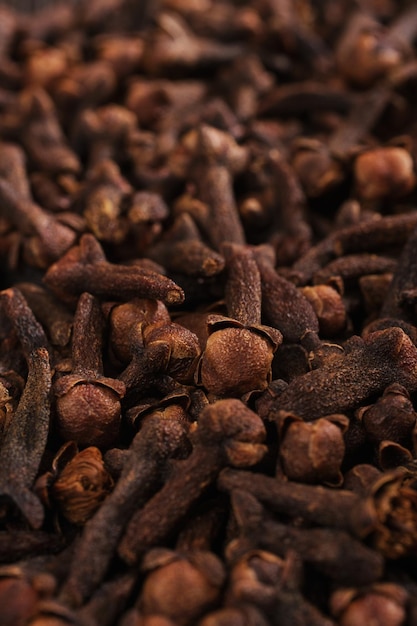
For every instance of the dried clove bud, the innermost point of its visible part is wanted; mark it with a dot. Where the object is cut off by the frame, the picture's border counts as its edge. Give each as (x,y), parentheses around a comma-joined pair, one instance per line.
(366,236)
(364,54)
(321,547)
(239,350)
(183,251)
(227,433)
(392,455)
(333,508)
(236,360)
(124,316)
(77,485)
(102,132)
(174,48)
(18,599)
(157,442)
(285,307)
(25,439)
(88,403)
(385,602)
(44,237)
(404,280)
(391,418)
(217,158)
(386,356)
(183,349)
(54,317)
(180,587)
(42,135)
(384,172)
(394,499)
(262,579)
(329,307)
(312,452)
(102,197)
(84,268)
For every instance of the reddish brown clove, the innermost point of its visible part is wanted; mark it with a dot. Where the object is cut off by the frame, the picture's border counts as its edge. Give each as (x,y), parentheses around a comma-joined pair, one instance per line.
(77,484)
(385,602)
(180,587)
(384,172)
(88,403)
(312,452)
(239,350)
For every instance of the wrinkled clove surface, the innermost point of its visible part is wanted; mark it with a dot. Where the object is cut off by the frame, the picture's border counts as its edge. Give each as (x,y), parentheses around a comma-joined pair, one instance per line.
(208,313)
(26,436)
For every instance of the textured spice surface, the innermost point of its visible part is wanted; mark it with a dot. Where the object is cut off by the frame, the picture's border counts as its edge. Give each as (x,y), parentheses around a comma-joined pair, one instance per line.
(208,313)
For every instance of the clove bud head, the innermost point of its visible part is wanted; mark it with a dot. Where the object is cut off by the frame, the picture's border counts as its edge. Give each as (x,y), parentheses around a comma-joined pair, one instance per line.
(382,603)
(312,452)
(182,589)
(329,307)
(384,172)
(125,316)
(238,429)
(236,360)
(394,498)
(88,412)
(81,486)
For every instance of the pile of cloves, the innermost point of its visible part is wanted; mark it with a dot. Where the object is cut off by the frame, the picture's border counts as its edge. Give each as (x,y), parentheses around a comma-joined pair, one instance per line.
(208,313)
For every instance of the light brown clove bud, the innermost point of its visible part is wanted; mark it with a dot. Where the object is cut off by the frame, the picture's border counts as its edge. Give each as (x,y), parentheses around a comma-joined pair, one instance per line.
(77,484)
(181,588)
(329,308)
(384,172)
(312,452)
(236,359)
(383,604)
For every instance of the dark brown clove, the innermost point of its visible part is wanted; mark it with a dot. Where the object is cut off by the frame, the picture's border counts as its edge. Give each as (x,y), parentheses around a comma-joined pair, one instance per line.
(125,316)
(404,278)
(389,356)
(46,238)
(165,49)
(217,158)
(312,452)
(368,236)
(286,308)
(386,602)
(321,547)
(25,439)
(88,403)
(391,418)
(222,370)
(384,173)
(54,317)
(102,197)
(183,251)
(42,135)
(77,484)
(227,433)
(84,268)
(272,584)
(332,508)
(180,587)
(157,442)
